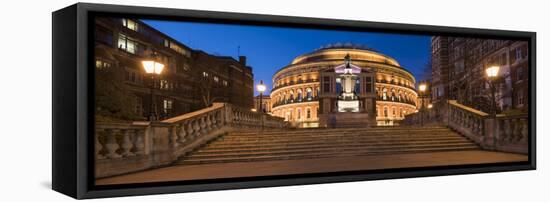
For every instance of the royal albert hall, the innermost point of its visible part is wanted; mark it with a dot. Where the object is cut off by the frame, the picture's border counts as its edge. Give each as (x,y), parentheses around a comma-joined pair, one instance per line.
(296,87)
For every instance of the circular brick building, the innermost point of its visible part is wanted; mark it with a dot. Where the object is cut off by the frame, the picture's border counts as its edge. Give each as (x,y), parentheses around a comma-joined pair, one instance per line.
(296,87)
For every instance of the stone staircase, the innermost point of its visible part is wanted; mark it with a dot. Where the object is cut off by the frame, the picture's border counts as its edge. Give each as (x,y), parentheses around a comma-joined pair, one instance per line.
(323,143)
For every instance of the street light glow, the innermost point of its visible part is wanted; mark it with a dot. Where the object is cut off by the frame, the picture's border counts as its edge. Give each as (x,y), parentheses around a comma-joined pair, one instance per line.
(422,87)
(430,106)
(152,66)
(492,71)
(261,87)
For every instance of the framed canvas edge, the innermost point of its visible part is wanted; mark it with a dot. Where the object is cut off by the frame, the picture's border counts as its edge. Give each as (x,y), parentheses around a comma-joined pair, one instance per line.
(84,96)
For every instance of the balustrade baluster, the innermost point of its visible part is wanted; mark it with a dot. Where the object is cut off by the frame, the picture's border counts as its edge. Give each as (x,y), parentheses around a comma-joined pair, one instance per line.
(111,145)
(190,128)
(126,143)
(139,142)
(203,125)
(98,145)
(208,121)
(196,128)
(182,132)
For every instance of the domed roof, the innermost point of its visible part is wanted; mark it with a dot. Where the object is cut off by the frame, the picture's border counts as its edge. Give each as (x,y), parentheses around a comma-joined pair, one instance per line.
(347,45)
(337,51)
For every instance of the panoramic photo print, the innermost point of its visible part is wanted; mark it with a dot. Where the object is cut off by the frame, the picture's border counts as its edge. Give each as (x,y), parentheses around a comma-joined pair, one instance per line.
(177,101)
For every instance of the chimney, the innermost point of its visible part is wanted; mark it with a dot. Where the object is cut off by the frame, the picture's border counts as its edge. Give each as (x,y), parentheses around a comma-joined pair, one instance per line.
(242,60)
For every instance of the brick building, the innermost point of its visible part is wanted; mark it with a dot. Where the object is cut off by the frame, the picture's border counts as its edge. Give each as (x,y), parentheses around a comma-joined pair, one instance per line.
(458,71)
(123,43)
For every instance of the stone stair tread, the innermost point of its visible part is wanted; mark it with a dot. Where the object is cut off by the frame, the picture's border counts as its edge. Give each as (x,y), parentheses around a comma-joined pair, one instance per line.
(316,142)
(301,156)
(260,142)
(348,147)
(321,143)
(330,144)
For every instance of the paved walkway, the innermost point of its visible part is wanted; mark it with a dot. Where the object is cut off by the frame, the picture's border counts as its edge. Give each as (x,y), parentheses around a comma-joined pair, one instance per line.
(263,168)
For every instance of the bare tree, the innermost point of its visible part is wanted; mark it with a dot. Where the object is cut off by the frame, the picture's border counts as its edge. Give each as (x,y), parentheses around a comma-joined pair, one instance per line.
(210,90)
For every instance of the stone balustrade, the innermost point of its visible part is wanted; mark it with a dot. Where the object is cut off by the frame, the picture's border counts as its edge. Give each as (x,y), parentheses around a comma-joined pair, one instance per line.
(468,121)
(512,133)
(133,146)
(507,133)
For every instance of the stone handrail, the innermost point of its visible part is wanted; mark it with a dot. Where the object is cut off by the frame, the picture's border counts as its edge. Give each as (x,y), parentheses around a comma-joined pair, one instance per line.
(466,120)
(508,133)
(512,133)
(134,146)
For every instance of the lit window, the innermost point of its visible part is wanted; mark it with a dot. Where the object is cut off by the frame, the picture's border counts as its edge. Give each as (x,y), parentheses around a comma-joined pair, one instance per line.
(225,83)
(130,24)
(164,84)
(216,79)
(204,74)
(102,64)
(127,44)
(167,106)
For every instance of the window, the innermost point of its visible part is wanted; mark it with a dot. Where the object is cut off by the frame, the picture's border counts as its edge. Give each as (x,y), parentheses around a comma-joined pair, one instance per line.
(384,94)
(224,82)
(167,106)
(102,64)
(519,73)
(104,36)
(308,94)
(204,74)
(216,79)
(519,54)
(164,84)
(299,114)
(127,44)
(138,104)
(130,24)
(521,99)
(326,84)
(385,111)
(308,113)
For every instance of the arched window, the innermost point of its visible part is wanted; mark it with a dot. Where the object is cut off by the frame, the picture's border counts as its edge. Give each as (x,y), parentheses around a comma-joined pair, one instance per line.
(309,93)
(384,94)
(385,111)
(291,98)
(308,113)
(299,95)
(299,114)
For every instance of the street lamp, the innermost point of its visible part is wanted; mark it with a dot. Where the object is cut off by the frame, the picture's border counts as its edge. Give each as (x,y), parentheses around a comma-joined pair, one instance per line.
(152,68)
(261,89)
(422,88)
(492,76)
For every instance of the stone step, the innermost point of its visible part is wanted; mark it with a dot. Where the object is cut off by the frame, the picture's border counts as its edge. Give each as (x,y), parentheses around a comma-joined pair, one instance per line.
(319,155)
(243,149)
(301,131)
(324,143)
(341,148)
(328,139)
(313,135)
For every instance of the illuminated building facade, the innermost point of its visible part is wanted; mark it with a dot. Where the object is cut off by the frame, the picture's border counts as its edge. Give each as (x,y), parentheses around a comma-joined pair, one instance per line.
(296,90)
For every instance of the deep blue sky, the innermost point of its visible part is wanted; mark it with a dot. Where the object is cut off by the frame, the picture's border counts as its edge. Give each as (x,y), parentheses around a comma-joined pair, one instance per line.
(270,48)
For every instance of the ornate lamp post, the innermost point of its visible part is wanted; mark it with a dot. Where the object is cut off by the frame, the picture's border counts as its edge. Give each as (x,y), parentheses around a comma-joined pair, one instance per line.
(261,89)
(492,76)
(152,67)
(422,88)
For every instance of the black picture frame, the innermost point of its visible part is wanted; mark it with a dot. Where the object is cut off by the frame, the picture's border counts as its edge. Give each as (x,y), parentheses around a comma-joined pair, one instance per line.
(72,102)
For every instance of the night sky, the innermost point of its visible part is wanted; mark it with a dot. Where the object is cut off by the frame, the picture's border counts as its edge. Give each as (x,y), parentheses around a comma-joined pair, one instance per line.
(270,48)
